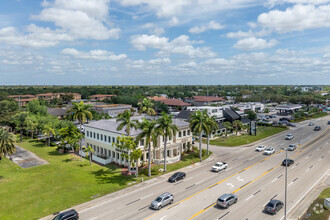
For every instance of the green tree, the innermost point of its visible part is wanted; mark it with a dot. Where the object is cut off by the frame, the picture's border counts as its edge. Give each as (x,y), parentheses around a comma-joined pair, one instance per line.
(125,121)
(31,124)
(266,110)
(8,109)
(146,107)
(198,125)
(7,143)
(19,121)
(36,107)
(251,115)
(70,135)
(80,112)
(168,130)
(237,124)
(148,130)
(89,153)
(48,131)
(212,126)
(135,156)
(228,126)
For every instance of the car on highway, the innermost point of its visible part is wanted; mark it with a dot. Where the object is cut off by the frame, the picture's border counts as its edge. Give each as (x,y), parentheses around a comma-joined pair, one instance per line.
(328,122)
(290,124)
(176,177)
(317,128)
(162,200)
(292,147)
(287,162)
(218,166)
(273,206)
(226,200)
(71,214)
(261,148)
(269,151)
(310,124)
(289,137)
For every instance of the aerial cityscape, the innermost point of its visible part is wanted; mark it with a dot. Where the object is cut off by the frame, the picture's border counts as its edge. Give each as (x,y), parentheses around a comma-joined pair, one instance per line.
(165,110)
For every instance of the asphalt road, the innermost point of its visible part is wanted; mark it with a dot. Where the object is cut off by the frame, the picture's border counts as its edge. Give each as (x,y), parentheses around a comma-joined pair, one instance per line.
(255,179)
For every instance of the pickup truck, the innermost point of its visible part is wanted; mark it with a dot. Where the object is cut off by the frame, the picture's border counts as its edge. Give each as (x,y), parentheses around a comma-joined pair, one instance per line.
(218,166)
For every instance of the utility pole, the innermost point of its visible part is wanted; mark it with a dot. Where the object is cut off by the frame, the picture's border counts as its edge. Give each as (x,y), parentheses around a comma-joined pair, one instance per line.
(286,179)
(19,103)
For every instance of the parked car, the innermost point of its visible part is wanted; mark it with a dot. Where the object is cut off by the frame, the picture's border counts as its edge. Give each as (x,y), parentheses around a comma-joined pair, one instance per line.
(261,148)
(317,128)
(310,124)
(290,124)
(287,162)
(273,206)
(283,119)
(283,122)
(292,147)
(269,151)
(71,214)
(218,166)
(226,200)
(162,200)
(328,122)
(176,177)
(289,137)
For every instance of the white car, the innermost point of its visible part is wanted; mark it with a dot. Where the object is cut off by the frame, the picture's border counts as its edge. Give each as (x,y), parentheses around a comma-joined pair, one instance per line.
(218,166)
(289,137)
(261,148)
(269,151)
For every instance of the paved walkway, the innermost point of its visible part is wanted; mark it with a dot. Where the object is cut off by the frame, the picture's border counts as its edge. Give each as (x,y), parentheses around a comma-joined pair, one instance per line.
(26,159)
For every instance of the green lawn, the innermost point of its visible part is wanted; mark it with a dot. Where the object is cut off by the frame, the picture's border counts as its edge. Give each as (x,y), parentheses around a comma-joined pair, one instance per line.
(311,214)
(231,141)
(66,181)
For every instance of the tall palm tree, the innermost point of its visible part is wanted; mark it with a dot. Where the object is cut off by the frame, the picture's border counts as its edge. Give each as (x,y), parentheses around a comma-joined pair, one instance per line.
(126,121)
(7,146)
(168,129)
(198,125)
(148,128)
(237,124)
(146,107)
(48,131)
(89,152)
(19,120)
(80,112)
(213,126)
(31,124)
(228,126)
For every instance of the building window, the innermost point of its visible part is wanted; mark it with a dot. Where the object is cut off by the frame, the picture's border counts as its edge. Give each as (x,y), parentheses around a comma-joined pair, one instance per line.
(113,140)
(101,150)
(105,138)
(113,155)
(168,153)
(98,136)
(87,133)
(109,153)
(188,132)
(109,139)
(142,142)
(101,137)
(184,133)
(117,156)
(179,133)
(94,135)
(98,149)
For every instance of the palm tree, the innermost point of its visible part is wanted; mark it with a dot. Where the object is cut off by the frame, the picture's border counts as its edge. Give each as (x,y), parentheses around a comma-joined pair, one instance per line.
(89,152)
(213,126)
(125,121)
(48,131)
(237,124)
(80,112)
(228,126)
(19,120)
(136,155)
(7,146)
(148,128)
(146,107)
(168,129)
(31,124)
(198,125)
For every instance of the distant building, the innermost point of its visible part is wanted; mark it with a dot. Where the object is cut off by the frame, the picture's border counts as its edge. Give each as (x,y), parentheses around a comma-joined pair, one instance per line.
(174,104)
(23,99)
(157,98)
(287,109)
(101,97)
(205,100)
(112,110)
(60,113)
(252,106)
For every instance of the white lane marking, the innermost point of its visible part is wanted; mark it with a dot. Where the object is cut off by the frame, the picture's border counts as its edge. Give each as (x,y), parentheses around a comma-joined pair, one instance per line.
(274,180)
(199,182)
(228,169)
(93,218)
(319,159)
(290,184)
(317,149)
(293,167)
(162,217)
(306,157)
(230,185)
(239,178)
(307,192)
(249,198)
(146,196)
(307,170)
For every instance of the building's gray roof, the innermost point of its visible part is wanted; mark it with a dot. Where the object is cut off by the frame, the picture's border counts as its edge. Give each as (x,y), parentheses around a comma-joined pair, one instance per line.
(184,114)
(56,111)
(111,125)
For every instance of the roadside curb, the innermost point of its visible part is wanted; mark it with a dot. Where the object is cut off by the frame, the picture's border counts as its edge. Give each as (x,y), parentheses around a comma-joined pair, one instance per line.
(131,189)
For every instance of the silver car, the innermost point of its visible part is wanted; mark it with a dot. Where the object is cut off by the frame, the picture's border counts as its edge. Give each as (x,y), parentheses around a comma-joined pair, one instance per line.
(226,200)
(162,200)
(292,147)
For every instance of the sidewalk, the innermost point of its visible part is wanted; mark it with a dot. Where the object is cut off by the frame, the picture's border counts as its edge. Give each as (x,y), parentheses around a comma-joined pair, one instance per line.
(131,189)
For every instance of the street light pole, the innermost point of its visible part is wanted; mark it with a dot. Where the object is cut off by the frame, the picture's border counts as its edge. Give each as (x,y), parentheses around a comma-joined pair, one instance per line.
(286,179)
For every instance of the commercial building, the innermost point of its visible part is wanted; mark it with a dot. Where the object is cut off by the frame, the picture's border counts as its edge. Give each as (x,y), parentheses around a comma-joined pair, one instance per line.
(102,136)
(205,100)
(112,110)
(101,97)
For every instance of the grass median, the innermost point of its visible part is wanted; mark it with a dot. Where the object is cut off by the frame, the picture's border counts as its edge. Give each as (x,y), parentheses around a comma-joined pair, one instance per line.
(233,140)
(66,181)
(316,210)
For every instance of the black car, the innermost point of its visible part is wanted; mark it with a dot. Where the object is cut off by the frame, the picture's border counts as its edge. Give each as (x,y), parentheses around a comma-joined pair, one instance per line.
(328,122)
(68,215)
(290,124)
(287,162)
(177,176)
(273,206)
(317,128)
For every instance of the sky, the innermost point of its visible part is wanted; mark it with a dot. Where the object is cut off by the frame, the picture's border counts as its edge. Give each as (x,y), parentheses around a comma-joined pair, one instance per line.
(164,42)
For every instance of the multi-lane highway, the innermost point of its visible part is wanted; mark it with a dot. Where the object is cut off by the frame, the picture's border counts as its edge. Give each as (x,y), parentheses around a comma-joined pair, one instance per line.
(255,179)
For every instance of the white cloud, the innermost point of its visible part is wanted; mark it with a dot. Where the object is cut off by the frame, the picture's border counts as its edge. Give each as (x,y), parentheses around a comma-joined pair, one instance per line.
(179,45)
(153,29)
(174,21)
(240,34)
(253,43)
(101,55)
(212,25)
(272,3)
(297,18)
(160,61)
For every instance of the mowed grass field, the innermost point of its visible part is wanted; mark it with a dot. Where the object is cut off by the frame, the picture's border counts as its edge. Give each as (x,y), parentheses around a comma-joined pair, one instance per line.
(231,141)
(66,181)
